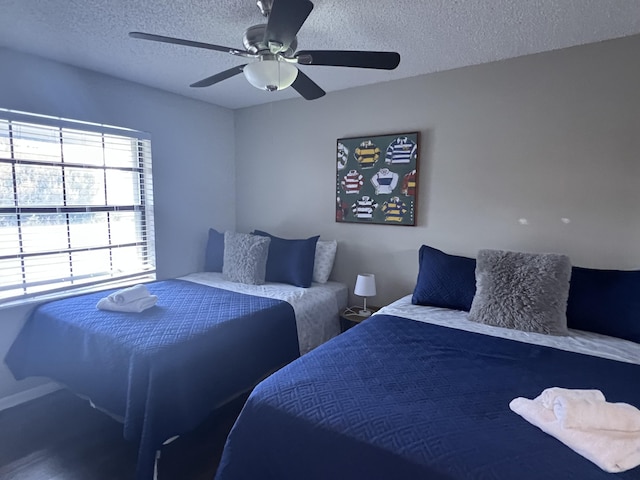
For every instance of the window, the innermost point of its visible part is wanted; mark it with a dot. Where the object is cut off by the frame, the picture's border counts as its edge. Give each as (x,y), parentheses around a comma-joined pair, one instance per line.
(76,205)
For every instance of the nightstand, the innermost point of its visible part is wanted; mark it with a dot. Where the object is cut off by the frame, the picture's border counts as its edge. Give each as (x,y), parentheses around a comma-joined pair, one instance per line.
(349,319)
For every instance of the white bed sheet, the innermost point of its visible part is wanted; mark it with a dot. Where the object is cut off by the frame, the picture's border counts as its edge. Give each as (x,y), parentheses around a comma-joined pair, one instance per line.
(587,343)
(317,308)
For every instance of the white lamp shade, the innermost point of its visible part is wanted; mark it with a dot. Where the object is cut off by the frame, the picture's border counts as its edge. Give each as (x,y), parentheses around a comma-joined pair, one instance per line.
(365,285)
(270,74)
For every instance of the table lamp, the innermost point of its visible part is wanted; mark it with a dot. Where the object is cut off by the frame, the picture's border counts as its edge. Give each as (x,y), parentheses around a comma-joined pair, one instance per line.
(365,287)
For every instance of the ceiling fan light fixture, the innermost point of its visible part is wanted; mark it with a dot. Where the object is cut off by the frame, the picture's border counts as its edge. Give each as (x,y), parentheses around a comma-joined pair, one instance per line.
(270,75)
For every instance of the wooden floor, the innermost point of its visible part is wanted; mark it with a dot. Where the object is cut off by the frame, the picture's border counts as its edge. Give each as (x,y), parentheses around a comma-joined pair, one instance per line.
(60,437)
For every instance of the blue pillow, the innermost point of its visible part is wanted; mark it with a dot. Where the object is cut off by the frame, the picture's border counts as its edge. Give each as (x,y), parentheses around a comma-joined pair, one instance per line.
(290,261)
(214,257)
(605,301)
(444,280)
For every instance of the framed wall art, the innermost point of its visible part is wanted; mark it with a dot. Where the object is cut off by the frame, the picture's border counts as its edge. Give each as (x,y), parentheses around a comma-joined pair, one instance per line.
(377,179)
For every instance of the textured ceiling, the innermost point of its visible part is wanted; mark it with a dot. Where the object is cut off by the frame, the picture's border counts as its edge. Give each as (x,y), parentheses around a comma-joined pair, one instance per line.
(430,35)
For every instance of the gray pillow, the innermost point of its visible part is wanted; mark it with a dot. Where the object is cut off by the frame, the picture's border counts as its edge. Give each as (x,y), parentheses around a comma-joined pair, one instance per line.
(524,291)
(245,258)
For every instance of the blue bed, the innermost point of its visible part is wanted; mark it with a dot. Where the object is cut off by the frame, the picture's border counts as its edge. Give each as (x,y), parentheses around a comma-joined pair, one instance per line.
(402,399)
(164,370)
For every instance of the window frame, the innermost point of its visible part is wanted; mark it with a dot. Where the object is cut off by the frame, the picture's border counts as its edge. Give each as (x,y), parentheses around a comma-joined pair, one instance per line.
(141,206)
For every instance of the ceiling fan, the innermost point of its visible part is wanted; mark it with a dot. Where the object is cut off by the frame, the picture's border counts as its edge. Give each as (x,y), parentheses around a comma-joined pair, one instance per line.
(273,46)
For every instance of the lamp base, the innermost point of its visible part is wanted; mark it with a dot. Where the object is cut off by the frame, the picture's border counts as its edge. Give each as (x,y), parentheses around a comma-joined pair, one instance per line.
(364,313)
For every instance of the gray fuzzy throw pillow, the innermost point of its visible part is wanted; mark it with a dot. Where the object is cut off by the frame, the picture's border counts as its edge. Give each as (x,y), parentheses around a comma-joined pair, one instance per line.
(524,291)
(245,258)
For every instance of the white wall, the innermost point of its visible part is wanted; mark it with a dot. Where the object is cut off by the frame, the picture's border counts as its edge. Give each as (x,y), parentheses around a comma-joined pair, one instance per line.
(543,137)
(193,159)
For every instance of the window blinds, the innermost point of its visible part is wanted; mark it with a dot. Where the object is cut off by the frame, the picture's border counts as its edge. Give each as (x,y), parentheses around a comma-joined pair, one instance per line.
(76,204)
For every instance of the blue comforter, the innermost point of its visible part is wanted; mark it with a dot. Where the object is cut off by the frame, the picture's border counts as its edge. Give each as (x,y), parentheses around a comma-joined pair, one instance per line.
(163,370)
(399,399)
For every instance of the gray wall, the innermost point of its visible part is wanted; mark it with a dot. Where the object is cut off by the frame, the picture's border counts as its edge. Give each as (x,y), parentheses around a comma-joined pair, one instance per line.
(544,138)
(193,159)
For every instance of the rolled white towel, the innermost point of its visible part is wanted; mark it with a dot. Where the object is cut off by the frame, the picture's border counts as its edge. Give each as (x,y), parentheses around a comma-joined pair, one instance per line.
(612,451)
(587,414)
(136,306)
(127,295)
(549,395)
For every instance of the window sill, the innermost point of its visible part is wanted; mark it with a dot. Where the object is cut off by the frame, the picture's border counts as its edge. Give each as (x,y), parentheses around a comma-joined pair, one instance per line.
(48,297)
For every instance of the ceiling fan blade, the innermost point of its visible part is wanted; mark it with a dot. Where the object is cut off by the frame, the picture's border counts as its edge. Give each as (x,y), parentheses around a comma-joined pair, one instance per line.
(307,87)
(218,77)
(285,20)
(188,43)
(349,58)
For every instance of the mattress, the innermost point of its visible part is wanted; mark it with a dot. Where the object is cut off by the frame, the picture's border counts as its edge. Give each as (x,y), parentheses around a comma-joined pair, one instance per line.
(587,343)
(398,398)
(317,308)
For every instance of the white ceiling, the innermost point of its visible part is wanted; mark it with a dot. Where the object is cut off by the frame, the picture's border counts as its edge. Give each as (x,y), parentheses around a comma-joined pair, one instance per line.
(430,35)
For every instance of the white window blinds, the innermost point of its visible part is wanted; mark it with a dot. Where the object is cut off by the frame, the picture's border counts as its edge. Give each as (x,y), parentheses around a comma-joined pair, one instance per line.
(76,205)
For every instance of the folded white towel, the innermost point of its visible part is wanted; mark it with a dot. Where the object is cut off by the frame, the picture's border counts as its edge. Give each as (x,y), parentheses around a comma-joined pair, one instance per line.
(586,414)
(549,395)
(612,451)
(127,295)
(136,306)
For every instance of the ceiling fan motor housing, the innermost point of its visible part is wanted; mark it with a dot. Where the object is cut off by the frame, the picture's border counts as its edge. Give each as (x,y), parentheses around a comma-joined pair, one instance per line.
(255,43)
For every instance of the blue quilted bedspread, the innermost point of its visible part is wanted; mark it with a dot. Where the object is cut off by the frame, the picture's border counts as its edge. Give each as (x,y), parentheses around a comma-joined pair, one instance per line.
(398,399)
(165,369)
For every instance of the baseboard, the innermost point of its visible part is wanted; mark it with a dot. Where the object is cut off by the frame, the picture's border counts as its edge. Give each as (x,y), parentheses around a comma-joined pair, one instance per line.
(26,395)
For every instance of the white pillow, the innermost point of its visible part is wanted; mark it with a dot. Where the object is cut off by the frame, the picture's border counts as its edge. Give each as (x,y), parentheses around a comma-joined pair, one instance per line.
(323,262)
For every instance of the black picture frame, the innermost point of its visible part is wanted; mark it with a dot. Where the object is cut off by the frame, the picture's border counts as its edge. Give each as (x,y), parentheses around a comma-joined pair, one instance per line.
(377,179)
